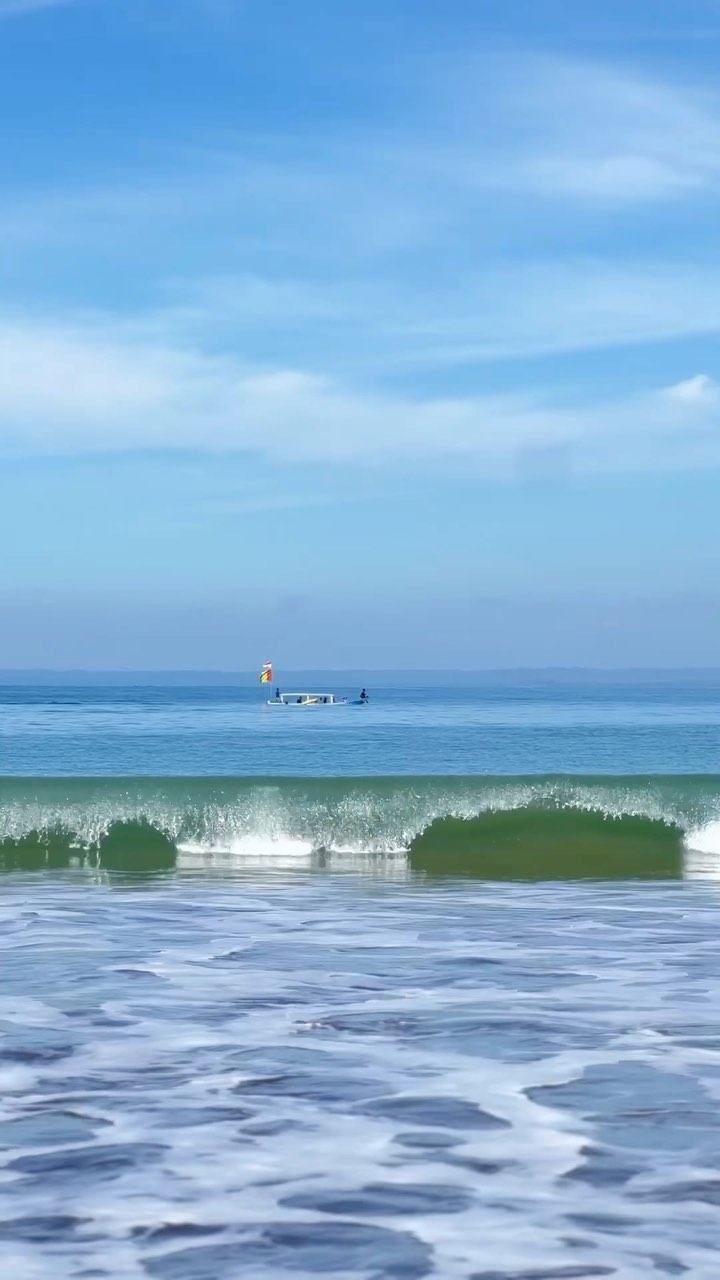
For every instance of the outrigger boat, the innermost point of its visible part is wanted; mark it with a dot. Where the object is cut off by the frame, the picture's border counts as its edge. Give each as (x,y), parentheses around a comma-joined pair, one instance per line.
(306,699)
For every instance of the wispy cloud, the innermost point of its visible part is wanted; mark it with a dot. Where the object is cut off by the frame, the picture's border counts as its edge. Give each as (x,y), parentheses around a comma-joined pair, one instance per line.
(474,140)
(335,265)
(319,287)
(561,127)
(593,131)
(501,313)
(435,241)
(73,390)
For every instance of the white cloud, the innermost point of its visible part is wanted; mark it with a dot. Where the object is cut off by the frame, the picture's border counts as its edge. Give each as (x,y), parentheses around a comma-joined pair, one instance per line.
(380,255)
(72,390)
(417,243)
(593,131)
(700,390)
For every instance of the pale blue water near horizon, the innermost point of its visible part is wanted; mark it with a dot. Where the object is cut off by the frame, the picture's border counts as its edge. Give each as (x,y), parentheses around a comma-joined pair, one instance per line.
(330,994)
(544,724)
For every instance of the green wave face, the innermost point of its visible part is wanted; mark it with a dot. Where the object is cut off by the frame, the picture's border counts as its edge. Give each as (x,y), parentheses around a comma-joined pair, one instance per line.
(497,828)
(531,844)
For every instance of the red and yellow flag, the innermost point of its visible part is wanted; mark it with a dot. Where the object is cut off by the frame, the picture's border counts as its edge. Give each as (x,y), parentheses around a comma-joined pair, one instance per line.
(266,673)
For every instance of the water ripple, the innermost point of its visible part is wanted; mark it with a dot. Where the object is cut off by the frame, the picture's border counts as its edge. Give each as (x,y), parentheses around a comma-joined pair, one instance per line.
(329,1076)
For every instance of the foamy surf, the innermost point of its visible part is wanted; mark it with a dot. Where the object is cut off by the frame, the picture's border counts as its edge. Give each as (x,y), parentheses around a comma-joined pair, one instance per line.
(251,848)
(525,1080)
(705,839)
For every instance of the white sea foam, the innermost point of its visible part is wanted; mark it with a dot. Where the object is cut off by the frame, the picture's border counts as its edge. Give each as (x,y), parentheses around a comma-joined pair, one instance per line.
(705,839)
(500,1081)
(251,848)
(702,859)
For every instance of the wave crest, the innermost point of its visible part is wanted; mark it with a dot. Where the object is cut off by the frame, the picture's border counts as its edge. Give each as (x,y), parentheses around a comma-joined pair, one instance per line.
(266,819)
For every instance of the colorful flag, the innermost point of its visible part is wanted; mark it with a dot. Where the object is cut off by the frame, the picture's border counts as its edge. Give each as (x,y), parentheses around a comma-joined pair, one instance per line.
(266,673)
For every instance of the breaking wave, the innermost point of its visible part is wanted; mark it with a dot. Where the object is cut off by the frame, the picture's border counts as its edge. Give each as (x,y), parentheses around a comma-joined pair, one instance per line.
(491,826)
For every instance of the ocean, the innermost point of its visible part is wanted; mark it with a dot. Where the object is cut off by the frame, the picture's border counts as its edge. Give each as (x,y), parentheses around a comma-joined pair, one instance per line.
(423,988)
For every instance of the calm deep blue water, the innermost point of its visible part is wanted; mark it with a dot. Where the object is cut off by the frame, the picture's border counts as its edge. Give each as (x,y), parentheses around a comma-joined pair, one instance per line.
(253,1038)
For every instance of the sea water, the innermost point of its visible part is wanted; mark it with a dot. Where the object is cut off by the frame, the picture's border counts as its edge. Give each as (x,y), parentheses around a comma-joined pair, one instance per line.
(427,988)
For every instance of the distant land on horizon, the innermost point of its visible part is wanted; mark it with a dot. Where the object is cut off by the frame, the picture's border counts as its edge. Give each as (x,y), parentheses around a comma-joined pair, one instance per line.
(351,676)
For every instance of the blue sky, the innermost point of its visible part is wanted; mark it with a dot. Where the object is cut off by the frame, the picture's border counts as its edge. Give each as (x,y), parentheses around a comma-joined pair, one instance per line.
(372,333)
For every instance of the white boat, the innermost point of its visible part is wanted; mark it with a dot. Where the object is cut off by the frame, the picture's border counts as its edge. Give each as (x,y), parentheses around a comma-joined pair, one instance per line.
(307,700)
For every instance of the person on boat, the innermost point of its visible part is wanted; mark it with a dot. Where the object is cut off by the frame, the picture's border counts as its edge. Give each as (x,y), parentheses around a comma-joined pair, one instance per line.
(364,696)
(277,695)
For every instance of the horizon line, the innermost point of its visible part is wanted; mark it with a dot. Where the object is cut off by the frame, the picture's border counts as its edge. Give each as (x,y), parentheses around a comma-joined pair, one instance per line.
(441,670)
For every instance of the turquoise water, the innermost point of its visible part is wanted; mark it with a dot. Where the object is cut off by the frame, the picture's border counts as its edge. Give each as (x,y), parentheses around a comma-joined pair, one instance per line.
(428,988)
